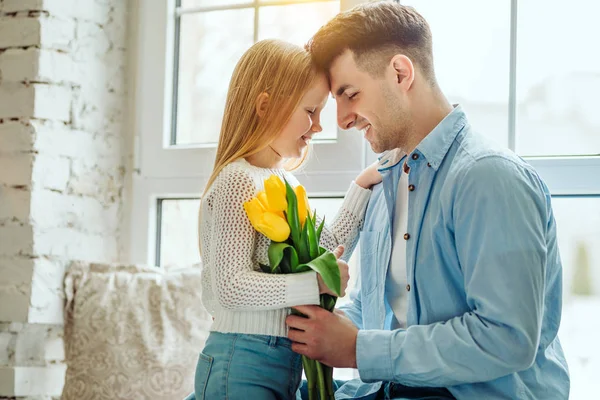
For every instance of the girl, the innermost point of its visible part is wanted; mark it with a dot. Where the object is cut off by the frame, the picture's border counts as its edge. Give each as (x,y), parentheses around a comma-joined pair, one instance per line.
(272,112)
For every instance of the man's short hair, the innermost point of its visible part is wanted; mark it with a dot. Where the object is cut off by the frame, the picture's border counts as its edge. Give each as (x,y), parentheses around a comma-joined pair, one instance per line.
(375,32)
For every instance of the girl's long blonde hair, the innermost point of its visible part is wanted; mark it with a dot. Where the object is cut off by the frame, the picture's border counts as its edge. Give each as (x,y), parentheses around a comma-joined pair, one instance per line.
(282,70)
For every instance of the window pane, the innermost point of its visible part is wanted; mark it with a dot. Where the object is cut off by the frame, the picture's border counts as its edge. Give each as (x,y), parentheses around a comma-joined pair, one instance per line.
(179,232)
(578,221)
(471,47)
(211,45)
(280,22)
(558,78)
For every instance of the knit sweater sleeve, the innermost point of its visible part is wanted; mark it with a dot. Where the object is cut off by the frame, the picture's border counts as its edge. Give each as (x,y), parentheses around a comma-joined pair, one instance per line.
(344,229)
(237,284)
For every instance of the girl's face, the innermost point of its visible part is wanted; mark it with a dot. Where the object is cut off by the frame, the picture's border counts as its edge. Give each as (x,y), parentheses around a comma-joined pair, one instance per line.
(305,121)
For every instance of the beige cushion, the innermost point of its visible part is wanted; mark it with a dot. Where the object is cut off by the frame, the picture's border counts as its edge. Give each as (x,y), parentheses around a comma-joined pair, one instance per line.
(132,332)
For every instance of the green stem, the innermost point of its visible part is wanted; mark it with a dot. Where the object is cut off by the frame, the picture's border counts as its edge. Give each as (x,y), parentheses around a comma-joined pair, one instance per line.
(321,382)
(311,377)
(328,372)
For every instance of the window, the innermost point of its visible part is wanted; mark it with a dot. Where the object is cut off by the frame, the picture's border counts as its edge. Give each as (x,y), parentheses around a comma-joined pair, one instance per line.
(556,90)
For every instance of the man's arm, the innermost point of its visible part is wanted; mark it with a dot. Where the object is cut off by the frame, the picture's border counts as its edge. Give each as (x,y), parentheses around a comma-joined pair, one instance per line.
(500,216)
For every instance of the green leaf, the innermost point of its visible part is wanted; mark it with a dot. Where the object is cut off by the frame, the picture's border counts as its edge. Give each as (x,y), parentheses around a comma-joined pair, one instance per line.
(282,255)
(301,268)
(285,266)
(292,213)
(322,250)
(320,229)
(313,244)
(276,251)
(303,247)
(326,266)
(328,301)
(292,256)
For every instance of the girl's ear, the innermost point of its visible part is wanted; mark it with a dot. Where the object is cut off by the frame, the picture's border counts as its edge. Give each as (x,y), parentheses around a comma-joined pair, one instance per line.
(262,102)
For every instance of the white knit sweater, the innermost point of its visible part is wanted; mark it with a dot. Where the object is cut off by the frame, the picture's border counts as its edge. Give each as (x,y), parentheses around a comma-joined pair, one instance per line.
(240,297)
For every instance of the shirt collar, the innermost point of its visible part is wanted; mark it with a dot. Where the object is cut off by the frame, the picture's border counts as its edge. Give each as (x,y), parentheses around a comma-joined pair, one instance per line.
(436,144)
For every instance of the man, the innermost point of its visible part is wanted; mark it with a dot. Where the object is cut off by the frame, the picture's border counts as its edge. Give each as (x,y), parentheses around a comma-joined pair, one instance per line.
(459,294)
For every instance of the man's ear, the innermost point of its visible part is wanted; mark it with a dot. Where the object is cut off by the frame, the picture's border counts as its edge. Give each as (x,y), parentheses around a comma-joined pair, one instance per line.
(262,102)
(403,70)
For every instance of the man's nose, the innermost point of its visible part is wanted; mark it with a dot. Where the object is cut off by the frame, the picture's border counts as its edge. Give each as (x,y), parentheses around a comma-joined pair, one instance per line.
(346,119)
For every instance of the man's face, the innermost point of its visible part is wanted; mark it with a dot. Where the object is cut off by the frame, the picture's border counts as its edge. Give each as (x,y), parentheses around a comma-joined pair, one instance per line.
(372,105)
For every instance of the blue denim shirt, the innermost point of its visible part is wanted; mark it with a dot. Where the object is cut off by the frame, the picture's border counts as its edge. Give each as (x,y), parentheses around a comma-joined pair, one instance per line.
(483,270)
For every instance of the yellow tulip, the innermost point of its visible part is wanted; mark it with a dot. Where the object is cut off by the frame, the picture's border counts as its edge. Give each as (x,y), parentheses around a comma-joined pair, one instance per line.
(274,227)
(271,224)
(303,207)
(262,197)
(276,193)
(254,210)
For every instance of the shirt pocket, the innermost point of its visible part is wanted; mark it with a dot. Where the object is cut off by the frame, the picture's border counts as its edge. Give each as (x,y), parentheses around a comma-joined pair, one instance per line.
(369,258)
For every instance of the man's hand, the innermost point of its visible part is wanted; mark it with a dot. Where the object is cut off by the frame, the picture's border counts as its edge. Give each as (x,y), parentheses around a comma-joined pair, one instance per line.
(323,336)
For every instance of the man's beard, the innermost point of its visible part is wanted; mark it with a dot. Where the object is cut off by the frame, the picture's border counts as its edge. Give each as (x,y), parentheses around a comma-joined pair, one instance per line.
(396,130)
(393,136)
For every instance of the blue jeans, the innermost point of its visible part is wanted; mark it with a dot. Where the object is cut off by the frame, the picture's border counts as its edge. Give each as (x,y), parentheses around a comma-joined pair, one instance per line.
(239,366)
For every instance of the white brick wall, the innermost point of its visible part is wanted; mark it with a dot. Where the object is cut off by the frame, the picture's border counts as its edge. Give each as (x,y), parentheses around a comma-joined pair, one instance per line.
(62,171)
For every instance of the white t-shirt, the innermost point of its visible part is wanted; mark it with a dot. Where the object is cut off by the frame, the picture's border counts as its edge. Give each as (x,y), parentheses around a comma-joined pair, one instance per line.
(395,285)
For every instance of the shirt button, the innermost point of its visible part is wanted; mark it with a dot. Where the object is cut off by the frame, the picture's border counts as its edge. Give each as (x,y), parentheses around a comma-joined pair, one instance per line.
(406,236)
(429,165)
(408,288)
(411,188)
(415,156)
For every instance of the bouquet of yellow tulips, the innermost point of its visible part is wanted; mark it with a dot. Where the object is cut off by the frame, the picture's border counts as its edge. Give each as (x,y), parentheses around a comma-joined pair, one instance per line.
(282,214)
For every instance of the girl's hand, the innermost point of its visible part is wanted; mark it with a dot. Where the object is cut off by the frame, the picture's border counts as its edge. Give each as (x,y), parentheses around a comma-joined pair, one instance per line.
(344,274)
(369,177)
